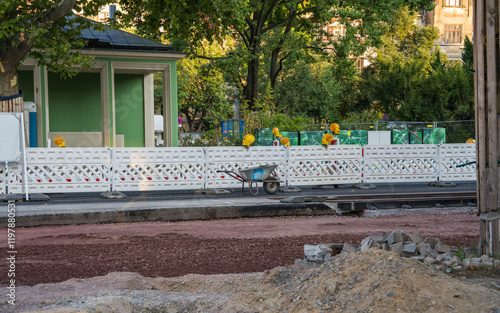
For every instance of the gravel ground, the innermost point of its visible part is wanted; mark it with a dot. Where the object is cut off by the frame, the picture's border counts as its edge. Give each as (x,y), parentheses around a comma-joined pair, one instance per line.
(66,265)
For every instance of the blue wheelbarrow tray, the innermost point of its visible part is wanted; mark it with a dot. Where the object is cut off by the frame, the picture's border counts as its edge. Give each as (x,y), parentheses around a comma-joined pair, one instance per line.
(257,173)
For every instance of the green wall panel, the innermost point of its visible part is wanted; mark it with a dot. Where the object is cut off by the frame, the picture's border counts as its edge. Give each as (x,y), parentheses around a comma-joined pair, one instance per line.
(129,106)
(26,85)
(75,103)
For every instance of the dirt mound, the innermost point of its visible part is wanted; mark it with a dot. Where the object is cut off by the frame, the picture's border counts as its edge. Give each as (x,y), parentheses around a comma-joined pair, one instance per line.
(377,281)
(372,281)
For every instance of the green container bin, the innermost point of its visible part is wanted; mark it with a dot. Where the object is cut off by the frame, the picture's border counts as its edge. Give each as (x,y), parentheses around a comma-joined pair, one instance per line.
(311,138)
(434,136)
(353,137)
(264,137)
(416,138)
(400,136)
(292,136)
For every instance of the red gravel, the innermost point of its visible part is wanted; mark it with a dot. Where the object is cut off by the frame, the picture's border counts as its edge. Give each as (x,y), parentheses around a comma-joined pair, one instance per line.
(55,254)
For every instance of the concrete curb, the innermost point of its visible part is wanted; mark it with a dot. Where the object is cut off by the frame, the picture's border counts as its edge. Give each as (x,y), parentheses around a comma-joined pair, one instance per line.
(174,214)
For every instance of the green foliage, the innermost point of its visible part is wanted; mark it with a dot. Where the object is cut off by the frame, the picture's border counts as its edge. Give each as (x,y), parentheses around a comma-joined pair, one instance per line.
(41,28)
(210,138)
(468,55)
(202,92)
(268,33)
(410,83)
(366,116)
(308,90)
(460,253)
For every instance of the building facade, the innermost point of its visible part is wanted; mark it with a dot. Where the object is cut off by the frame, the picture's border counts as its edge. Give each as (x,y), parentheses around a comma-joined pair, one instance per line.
(454,19)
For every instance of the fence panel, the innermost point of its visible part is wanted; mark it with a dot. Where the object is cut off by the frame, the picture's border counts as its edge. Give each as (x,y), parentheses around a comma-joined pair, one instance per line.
(53,170)
(238,158)
(316,165)
(453,155)
(138,169)
(400,163)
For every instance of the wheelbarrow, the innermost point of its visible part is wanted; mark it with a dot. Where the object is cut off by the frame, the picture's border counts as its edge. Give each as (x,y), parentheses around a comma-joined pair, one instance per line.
(253,175)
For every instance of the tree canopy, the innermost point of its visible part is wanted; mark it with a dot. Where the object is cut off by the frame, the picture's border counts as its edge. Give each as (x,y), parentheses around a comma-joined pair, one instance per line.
(42,29)
(410,81)
(265,29)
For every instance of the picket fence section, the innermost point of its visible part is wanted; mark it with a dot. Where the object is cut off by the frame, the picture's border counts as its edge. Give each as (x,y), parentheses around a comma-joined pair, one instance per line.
(57,170)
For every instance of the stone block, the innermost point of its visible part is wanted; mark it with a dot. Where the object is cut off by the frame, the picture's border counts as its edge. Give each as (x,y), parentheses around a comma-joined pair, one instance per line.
(406,237)
(410,250)
(485,258)
(442,248)
(431,241)
(368,244)
(486,264)
(475,263)
(349,248)
(396,247)
(425,249)
(416,238)
(419,258)
(429,261)
(433,253)
(447,263)
(380,238)
(395,237)
(440,258)
(317,253)
(466,263)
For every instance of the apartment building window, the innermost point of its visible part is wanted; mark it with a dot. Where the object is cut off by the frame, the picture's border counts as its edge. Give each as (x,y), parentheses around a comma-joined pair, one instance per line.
(453,3)
(453,34)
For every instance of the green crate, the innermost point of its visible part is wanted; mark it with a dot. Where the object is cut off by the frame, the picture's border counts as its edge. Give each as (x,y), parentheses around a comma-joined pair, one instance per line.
(264,137)
(311,138)
(400,136)
(414,140)
(292,136)
(434,136)
(353,137)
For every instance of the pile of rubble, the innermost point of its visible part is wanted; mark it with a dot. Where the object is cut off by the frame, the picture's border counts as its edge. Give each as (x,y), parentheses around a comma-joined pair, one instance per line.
(429,250)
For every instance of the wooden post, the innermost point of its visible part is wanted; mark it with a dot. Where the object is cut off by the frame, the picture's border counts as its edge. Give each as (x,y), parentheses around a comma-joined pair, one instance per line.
(486,84)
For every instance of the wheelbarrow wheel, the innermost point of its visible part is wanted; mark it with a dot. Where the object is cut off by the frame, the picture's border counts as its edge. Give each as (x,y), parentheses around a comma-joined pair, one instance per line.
(272,185)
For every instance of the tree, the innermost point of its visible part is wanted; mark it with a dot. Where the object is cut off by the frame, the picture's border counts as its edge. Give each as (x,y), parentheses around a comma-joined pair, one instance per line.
(308,90)
(251,23)
(392,84)
(42,29)
(203,93)
(411,82)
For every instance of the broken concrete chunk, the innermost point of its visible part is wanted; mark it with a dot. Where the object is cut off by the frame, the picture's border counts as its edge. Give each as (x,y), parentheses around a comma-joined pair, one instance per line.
(442,248)
(380,238)
(429,261)
(431,241)
(349,248)
(416,238)
(396,247)
(425,249)
(410,250)
(394,237)
(368,244)
(317,253)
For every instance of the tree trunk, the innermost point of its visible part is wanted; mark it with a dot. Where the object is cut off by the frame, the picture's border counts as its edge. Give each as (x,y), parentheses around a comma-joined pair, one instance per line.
(273,68)
(251,89)
(9,83)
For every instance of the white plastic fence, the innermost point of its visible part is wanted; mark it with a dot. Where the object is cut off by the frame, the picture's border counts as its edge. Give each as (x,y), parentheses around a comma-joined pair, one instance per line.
(52,170)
